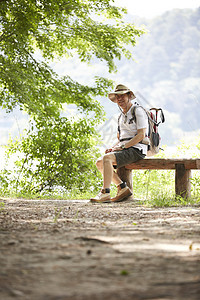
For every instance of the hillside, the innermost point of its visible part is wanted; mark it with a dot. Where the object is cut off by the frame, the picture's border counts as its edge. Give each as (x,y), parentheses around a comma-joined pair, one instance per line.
(166,70)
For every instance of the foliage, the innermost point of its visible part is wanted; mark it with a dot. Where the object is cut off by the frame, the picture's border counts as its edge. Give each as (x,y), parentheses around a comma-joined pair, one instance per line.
(155,187)
(195,184)
(49,159)
(57,152)
(148,183)
(34,32)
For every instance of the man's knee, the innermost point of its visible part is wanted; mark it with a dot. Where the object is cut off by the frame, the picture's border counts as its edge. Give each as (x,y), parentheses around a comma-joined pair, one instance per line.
(110,157)
(99,164)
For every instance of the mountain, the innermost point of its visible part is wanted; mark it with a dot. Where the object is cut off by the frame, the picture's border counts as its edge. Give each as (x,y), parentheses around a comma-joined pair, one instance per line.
(166,70)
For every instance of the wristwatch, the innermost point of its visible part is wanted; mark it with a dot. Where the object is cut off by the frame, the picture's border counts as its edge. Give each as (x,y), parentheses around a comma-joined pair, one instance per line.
(123,146)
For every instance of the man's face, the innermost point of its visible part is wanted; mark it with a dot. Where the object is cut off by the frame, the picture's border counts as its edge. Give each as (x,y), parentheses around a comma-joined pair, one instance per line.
(122,100)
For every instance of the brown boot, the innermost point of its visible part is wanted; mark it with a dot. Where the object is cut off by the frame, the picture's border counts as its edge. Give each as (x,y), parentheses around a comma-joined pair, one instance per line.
(122,194)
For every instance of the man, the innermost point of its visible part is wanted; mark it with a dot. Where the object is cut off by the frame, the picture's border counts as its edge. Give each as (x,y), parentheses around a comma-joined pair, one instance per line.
(128,149)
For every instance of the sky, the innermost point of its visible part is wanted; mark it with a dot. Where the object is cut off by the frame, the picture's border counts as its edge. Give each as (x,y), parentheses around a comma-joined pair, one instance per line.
(153,8)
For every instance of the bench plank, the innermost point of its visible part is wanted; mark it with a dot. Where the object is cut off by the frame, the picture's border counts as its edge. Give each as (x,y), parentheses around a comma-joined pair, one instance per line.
(164,164)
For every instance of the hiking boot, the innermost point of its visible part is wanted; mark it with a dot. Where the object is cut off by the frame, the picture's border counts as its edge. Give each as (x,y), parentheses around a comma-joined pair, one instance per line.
(102,197)
(122,194)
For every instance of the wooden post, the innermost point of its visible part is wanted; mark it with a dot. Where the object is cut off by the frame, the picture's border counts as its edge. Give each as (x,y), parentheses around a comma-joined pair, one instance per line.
(126,175)
(182,181)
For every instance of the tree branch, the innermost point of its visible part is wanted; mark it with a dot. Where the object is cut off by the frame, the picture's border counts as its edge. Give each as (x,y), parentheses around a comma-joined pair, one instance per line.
(36,63)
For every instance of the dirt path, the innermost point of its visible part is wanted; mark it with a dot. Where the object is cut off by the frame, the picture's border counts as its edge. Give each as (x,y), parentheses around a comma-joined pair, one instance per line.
(77,250)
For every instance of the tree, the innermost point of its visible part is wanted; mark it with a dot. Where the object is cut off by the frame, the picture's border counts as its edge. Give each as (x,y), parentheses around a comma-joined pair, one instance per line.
(57,157)
(32,34)
(56,28)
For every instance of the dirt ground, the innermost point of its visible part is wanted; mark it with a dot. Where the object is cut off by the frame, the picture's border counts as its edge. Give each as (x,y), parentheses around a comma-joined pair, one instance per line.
(57,250)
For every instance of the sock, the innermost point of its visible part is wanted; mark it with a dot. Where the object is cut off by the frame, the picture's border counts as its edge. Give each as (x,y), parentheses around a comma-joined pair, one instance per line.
(122,185)
(107,190)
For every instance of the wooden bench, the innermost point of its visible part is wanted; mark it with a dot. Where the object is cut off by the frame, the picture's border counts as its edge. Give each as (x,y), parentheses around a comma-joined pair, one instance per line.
(182,169)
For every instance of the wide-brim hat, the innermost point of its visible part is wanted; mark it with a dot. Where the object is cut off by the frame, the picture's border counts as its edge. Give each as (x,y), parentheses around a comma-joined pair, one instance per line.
(120,89)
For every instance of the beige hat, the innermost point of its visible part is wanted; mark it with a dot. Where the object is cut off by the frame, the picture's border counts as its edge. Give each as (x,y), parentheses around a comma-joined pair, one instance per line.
(120,90)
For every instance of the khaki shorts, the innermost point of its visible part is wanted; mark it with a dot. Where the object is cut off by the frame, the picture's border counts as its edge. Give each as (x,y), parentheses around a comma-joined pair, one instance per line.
(127,156)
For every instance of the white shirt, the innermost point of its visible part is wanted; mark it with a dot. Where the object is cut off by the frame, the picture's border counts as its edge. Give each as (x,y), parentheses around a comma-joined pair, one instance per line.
(128,127)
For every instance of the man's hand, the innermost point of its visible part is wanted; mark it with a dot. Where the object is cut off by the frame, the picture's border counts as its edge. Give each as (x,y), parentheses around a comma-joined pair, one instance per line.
(116,148)
(108,150)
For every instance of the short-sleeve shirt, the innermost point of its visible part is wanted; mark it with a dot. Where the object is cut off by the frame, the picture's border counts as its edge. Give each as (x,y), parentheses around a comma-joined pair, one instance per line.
(128,127)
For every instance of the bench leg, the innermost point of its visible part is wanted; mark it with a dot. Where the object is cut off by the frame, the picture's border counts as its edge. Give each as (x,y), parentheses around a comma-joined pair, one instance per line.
(126,175)
(182,181)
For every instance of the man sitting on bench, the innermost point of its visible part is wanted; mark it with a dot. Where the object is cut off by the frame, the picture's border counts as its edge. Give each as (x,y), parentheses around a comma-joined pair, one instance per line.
(127,150)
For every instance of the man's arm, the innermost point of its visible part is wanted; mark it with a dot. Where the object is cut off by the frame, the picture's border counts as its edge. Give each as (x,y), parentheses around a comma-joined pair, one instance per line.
(114,146)
(141,133)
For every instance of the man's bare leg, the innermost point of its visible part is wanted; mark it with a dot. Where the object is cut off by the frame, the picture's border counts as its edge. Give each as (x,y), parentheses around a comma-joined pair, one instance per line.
(105,166)
(114,177)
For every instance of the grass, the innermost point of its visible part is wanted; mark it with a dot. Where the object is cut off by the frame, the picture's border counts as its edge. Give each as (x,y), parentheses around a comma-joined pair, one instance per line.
(167,200)
(155,188)
(124,273)
(2,204)
(154,199)
(57,212)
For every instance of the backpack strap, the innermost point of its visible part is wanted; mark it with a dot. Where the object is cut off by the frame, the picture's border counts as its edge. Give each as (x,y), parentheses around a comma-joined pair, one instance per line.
(134,118)
(118,124)
(133,113)
(162,117)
